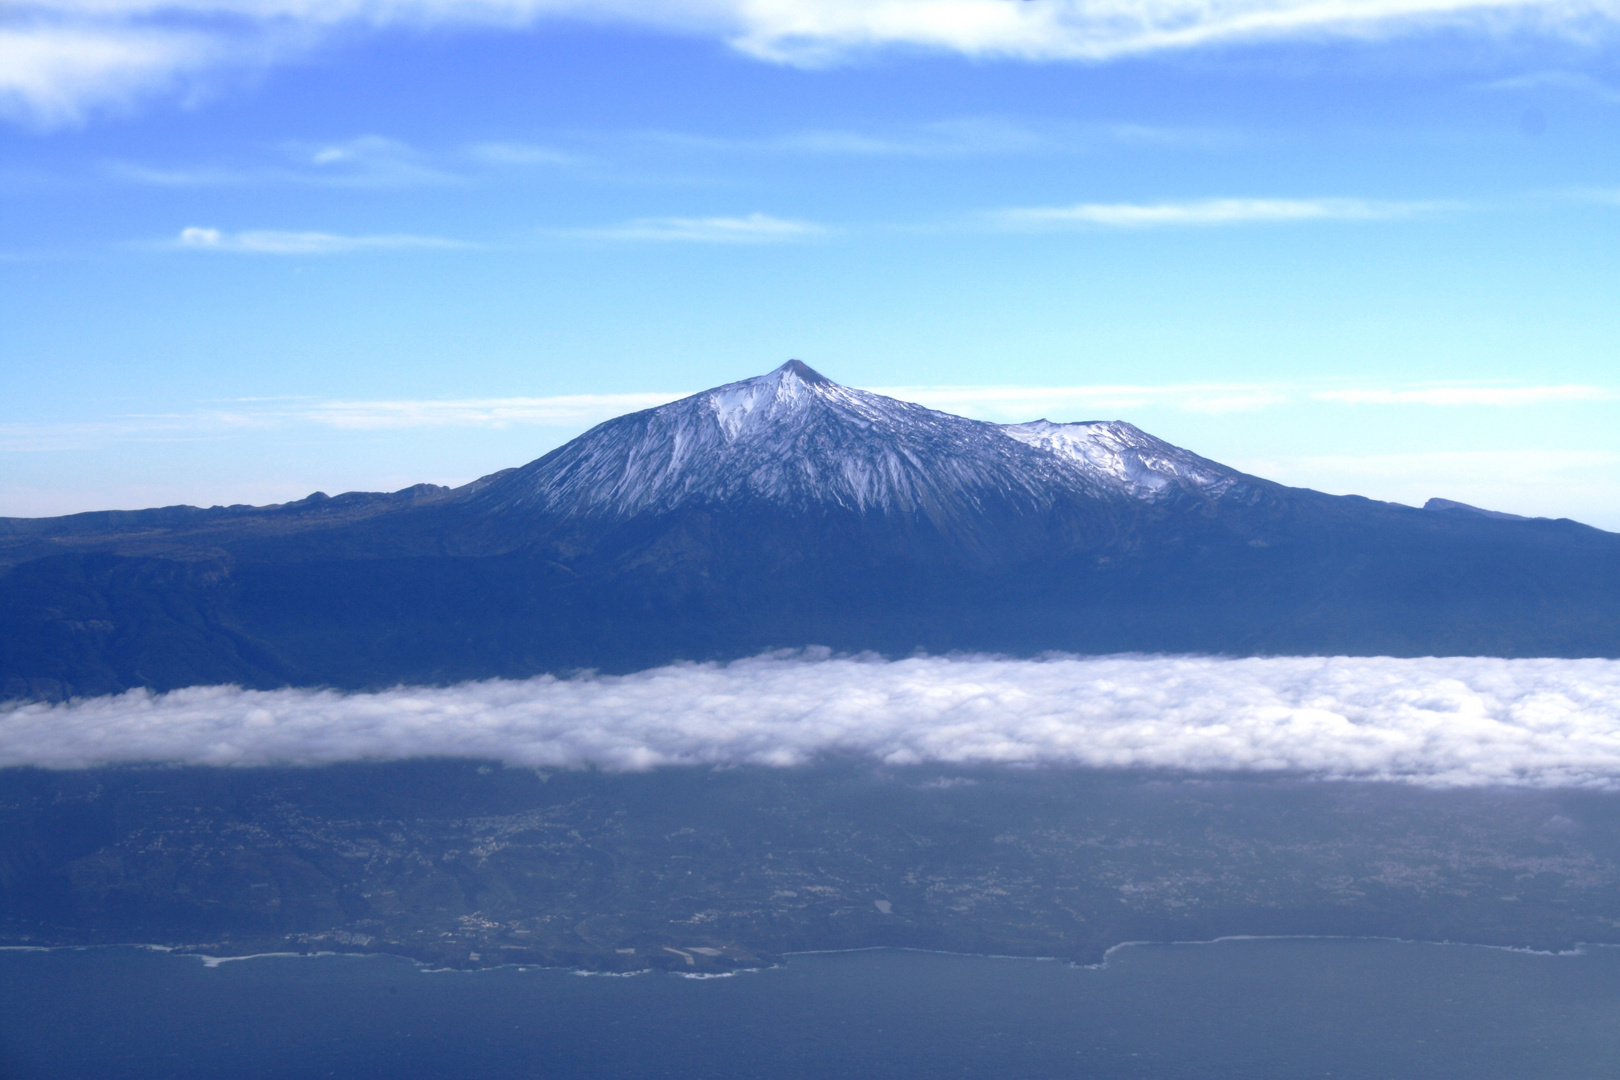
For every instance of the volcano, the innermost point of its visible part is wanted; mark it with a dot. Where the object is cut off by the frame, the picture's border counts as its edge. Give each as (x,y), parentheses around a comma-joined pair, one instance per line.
(779,512)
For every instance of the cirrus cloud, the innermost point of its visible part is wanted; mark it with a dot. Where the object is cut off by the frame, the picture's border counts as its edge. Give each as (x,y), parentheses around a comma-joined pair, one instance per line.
(1434,721)
(60,58)
(1466,395)
(753,228)
(53,70)
(276,242)
(995,403)
(1205,212)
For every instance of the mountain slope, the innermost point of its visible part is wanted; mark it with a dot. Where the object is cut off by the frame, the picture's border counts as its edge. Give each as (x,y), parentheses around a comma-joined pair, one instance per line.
(791,439)
(796,439)
(1115,456)
(785,511)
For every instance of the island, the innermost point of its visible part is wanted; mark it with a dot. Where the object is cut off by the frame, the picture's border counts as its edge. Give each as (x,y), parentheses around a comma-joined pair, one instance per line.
(707,870)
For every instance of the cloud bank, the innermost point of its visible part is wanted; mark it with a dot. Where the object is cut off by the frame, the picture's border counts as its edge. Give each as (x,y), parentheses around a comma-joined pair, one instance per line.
(1440,722)
(60,58)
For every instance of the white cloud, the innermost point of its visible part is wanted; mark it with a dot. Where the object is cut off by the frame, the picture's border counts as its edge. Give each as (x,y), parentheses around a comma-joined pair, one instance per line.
(1572,81)
(984,135)
(1466,395)
(1579,484)
(51,72)
(44,436)
(272,242)
(235,417)
(972,135)
(1447,721)
(1018,403)
(181,177)
(1600,196)
(375,161)
(519,154)
(996,403)
(365,161)
(752,229)
(566,409)
(1205,212)
(1115,400)
(62,57)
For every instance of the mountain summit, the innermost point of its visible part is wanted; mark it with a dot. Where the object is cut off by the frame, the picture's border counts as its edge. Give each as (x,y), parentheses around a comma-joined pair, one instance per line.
(795,439)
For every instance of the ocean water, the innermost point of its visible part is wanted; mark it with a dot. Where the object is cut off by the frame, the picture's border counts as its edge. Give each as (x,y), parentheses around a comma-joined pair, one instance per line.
(1283,1008)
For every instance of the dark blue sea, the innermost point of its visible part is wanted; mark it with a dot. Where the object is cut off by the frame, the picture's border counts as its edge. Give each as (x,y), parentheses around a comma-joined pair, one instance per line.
(1285,1008)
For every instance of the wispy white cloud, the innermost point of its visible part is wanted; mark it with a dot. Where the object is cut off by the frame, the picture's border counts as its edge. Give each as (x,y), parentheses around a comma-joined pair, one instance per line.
(1600,196)
(1023,402)
(565,410)
(1442,722)
(1582,484)
(1437,466)
(1205,212)
(988,136)
(183,176)
(60,58)
(1569,81)
(520,154)
(960,138)
(997,403)
(752,229)
(365,161)
(273,242)
(968,136)
(823,31)
(372,160)
(34,437)
(1466,395)
(1091,402)
(223,419)
(972,135)
(52,70)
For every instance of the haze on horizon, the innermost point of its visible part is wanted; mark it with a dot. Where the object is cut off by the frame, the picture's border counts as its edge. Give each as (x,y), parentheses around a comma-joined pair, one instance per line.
(257,251)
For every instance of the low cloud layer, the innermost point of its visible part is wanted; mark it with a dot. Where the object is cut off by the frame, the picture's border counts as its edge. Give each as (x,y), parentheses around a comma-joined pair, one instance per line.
(1443,722)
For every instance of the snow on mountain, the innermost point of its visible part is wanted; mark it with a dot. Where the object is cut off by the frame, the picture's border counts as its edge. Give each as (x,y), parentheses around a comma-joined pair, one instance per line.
(796,439)
(1123,457)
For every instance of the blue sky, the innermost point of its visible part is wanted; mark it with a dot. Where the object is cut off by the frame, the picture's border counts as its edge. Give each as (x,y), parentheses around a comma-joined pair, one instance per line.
(253,248)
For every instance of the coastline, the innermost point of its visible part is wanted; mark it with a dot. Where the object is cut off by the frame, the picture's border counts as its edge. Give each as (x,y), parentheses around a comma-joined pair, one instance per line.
(215,960)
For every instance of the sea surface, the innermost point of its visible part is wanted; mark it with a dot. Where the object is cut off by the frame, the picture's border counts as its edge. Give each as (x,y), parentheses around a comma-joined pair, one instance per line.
(1284,1008)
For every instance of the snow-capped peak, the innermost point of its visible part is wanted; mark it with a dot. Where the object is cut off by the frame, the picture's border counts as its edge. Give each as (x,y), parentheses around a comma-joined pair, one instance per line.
(754,404)
(792,438)
(1125,458)
(796,439)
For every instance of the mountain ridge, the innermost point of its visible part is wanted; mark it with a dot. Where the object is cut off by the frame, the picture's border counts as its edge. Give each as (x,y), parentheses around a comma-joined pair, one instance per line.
(1111,457)
(780,512)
